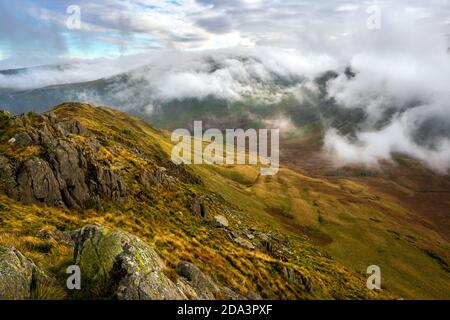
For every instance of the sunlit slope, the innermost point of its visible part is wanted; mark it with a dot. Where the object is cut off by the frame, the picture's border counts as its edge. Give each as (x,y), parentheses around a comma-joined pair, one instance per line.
(353,221)
(162,215)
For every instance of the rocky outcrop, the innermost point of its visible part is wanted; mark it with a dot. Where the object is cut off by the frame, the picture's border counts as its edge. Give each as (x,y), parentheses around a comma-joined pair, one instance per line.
(18,275)
(71,126)
(121,266)
(36,183)
(63,174)
(157,178)
(219,221)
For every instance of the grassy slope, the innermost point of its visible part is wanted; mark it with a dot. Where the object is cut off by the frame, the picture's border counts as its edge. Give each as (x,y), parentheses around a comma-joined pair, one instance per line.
(163,218)
(359,220)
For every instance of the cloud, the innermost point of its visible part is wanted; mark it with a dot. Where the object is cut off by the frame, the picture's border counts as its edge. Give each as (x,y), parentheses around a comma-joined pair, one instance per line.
(234,49)
(230,74)
(70,71)
(401,84)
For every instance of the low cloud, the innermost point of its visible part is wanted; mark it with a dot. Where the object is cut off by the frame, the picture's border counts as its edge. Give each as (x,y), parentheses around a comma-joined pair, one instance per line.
(401,83)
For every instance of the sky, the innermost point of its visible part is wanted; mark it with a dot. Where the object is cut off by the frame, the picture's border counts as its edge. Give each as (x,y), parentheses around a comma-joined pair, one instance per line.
(35,32)
(400,51)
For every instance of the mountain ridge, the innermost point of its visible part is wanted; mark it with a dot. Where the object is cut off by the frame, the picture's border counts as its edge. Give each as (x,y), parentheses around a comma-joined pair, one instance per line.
(160,204)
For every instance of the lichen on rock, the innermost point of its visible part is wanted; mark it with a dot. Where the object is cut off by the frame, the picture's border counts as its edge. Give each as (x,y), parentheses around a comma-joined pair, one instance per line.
(18,275)
(121,265)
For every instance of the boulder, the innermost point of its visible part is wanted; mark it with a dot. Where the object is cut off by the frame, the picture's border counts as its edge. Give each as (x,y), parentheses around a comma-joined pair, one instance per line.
(22,139)
(158,178)
(219,222)
(244,242)
(202,285)
(18,275)
(118,265)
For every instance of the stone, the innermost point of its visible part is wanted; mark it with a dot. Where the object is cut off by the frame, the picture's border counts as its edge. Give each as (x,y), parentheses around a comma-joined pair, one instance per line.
(199,207)
(293,276)
(267,246)
(63,177)
(22,139)
(7,172)
(244,242)
(36,183)
(18,275)
(219,222)
(119,265)
(201,284)
(72,127)
(158,178)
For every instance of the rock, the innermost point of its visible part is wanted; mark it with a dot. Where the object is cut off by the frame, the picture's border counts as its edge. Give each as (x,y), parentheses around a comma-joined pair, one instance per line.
(199,207)
(36,183)
(70,168)
(289,274)
(18,275)
(293,276)
(245,243)
(22,139)
(158,178)
(118,265)
(72,127)
(7,173)
(267,246)
(200,283)
(219,222)
(108,183)
(25,119)
(229,294)
(64,177)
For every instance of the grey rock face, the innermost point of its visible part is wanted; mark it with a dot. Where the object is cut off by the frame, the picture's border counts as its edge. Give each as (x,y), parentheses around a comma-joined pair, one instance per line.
(64,175)
(122,265)
(18,275)
(36,183)
(72,127)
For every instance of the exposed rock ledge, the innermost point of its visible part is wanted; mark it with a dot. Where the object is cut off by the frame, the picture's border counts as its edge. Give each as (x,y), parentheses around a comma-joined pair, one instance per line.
(118,265)
(62,175)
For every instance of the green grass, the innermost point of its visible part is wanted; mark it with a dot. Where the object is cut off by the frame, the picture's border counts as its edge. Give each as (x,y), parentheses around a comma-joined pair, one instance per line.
(163,218)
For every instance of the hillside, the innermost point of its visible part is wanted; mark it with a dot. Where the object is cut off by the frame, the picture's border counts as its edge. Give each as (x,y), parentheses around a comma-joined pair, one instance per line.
(79,165)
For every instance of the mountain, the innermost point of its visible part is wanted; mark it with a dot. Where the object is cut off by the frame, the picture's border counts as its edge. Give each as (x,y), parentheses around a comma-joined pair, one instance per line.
(309,232)
(80,165)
